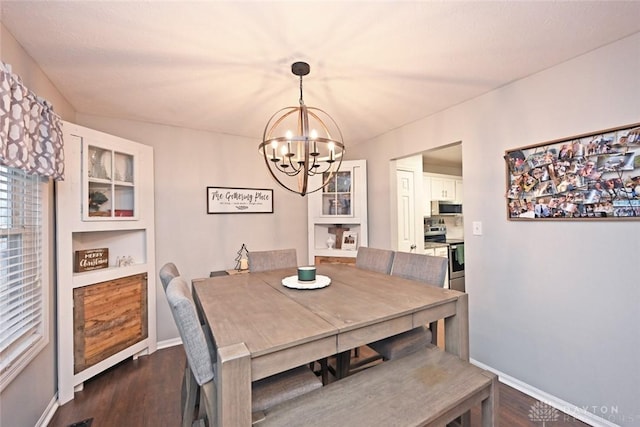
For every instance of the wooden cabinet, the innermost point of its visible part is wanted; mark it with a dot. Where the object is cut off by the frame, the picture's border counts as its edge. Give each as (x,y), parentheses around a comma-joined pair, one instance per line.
(340,207)
(104,315)
(334,260)
(108,317)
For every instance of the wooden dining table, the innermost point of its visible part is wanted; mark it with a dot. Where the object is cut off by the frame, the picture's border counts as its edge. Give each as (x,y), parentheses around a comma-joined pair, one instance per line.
(261,327)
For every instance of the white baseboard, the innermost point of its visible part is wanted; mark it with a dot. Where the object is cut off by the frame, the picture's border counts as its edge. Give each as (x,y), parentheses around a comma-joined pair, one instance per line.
(49,412)
(169,343)
(568,408)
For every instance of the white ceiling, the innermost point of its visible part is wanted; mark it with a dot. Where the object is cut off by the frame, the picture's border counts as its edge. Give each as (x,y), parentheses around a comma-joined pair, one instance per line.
(224,66)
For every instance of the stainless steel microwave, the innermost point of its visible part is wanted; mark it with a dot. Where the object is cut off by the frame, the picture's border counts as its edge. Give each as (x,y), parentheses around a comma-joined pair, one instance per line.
(439,207)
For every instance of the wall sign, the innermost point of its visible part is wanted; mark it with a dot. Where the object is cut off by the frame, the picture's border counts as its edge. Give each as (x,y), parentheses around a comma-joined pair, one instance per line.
(90,259)
(589,176)
(225,200)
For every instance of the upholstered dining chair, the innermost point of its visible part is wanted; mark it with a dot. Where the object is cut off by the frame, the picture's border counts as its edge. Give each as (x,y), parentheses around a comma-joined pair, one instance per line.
(373,259)
(201,356)
(429,269)
(190,392)
(272,260)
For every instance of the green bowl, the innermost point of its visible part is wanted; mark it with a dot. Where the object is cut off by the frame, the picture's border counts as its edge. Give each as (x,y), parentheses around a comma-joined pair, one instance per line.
(306,274)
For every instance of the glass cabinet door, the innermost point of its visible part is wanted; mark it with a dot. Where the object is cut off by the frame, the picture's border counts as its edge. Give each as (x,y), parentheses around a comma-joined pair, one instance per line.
(110,184)
(337,195)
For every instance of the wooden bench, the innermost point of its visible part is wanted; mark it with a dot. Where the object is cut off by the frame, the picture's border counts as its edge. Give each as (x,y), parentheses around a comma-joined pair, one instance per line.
(426,388)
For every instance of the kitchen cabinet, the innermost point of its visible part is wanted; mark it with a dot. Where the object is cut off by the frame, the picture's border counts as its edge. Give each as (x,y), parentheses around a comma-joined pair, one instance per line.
(426,195)
(340,207)
(459,191)
(104,211)
(443,188)
(438,249)
(442,251)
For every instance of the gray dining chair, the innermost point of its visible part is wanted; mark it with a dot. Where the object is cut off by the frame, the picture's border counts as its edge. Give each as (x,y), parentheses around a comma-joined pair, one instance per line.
(201,356)
(373,259)
(272,260)
(190,392)
(378,260)
(431,270)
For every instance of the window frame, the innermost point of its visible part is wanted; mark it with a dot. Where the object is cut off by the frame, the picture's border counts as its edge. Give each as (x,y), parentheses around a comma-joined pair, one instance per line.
(28,349)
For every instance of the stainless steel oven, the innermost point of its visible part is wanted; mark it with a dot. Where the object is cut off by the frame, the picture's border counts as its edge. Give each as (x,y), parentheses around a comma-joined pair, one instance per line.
(456,265)
(437,233)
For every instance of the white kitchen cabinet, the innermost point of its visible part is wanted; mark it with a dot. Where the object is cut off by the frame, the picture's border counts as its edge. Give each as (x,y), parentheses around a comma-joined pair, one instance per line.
(104,208)
(340,205)
(459,191)
(443,189)
(426,191)
(442,251)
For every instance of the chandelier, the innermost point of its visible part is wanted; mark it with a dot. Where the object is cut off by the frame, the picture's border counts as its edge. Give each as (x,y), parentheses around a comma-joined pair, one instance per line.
(300,143)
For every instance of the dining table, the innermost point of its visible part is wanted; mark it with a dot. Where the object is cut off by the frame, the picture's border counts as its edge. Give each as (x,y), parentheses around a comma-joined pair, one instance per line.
(262,327)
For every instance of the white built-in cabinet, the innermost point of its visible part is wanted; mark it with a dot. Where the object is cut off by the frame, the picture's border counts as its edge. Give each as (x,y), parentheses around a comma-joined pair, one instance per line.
(339,205)
(105,202)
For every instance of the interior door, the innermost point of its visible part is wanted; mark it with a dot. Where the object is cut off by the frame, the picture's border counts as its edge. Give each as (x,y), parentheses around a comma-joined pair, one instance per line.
(406,211)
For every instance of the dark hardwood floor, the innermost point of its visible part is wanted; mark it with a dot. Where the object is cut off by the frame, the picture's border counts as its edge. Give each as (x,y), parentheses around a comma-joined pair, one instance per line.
(146,392)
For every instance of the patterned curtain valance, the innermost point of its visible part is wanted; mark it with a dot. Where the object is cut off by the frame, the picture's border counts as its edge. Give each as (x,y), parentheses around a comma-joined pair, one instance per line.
(30,132)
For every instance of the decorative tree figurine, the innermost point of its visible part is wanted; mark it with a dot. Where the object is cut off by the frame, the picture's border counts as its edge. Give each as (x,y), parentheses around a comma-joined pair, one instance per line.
(242,260)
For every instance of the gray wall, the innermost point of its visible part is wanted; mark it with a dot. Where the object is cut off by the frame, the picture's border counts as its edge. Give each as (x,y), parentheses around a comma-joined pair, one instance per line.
(554,305)
(186,162)
(25,399)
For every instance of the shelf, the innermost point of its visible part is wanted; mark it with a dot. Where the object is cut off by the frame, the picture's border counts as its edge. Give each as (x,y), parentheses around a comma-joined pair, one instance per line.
(343,202)
(96,276)
(335,253)
(110,184)
(106,173)
(333,220)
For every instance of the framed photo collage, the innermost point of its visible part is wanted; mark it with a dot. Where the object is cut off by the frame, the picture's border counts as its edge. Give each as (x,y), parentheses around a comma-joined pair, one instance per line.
(591,176)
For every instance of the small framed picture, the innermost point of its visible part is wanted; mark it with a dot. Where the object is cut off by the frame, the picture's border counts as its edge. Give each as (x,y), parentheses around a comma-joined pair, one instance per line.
(349,241)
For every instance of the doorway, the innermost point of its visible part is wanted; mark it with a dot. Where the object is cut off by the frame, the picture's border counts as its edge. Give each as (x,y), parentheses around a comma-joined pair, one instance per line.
(412,208)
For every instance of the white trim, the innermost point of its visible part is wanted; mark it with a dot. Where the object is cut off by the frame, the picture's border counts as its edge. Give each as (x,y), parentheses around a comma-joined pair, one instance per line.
(169,343)
(18,364)
(49,412)
(561,405)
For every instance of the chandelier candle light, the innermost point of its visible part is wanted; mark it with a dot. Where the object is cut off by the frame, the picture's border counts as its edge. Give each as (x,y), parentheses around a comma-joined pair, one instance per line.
(297,144)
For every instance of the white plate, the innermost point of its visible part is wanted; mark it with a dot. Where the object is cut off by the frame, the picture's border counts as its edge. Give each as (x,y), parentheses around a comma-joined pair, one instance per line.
(293,282)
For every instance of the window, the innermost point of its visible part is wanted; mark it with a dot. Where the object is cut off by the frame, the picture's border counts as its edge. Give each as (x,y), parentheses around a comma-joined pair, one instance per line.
(23,301)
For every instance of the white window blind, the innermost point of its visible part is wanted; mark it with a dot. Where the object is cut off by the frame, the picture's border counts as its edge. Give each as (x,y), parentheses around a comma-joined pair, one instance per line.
(21,295)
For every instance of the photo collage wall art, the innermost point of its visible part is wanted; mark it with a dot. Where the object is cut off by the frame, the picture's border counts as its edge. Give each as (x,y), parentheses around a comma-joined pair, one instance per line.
(588,176)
